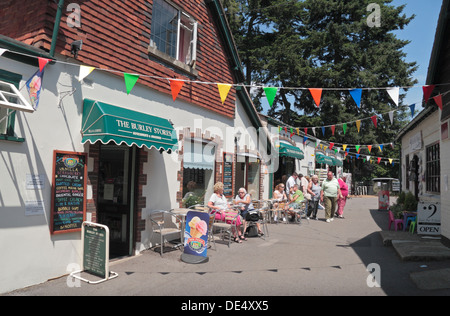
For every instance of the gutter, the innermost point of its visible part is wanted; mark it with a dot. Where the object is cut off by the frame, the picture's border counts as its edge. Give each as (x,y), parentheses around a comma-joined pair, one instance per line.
(56,28)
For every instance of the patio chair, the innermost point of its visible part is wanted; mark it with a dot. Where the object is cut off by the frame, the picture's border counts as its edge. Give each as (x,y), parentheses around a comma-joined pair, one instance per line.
(397,222)
(300,212)
(225,225)
(165,223)
(264,215)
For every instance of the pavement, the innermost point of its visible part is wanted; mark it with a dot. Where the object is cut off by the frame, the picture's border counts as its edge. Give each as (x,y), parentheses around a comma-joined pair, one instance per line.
(353,256)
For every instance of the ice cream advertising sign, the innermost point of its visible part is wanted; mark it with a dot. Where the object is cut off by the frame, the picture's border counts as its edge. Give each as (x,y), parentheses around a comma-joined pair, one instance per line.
(196,233)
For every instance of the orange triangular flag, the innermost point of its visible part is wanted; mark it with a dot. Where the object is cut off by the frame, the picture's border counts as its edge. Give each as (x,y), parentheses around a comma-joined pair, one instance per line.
(223,91)
(438,100)
(316,94)
(369,147)
(175,86)
(42,62)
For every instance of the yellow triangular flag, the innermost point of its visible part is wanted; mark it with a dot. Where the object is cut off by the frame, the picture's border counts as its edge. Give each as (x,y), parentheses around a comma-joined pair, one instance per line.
(358,124)
(223,91)
(84,72)
(390,161)
(344,147)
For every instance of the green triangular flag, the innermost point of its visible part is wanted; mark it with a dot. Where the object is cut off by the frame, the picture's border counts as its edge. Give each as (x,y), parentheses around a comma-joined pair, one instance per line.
(270,94)
(345,128)
(130,81)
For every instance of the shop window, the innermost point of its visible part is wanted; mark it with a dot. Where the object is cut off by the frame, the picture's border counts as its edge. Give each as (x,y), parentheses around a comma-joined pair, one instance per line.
(173,33)
(198,172)
(433,169)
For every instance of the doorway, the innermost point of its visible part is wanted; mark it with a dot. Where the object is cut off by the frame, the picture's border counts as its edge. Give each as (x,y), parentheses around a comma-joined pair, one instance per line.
(116,183)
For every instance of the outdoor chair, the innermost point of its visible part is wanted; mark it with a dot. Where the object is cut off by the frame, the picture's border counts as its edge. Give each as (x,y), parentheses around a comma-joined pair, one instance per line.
(225,225)
(412,227)
(397,222)
(278,211)
(263,208)
(165,223)
(300,212)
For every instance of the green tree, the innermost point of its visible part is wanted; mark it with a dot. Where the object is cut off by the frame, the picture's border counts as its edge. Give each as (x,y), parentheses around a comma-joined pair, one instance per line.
(326,44)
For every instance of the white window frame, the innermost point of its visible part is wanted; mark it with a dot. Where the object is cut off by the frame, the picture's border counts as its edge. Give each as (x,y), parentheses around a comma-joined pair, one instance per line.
(193,43)
(22,105)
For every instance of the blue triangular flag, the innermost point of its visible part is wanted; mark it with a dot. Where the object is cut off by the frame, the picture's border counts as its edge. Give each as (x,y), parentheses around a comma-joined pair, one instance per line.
(34,86)
(356,95)
(323,130)
(412,106)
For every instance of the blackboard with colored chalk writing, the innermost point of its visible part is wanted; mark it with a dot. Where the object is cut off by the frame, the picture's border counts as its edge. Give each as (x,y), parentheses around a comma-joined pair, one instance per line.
(68,191)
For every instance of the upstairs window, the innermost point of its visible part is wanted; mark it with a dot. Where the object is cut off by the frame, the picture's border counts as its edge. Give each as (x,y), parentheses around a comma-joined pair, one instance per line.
(173,33)
(11,100)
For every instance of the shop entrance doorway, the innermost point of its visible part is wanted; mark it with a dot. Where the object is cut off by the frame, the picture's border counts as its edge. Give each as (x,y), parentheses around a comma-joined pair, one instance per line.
(116,183)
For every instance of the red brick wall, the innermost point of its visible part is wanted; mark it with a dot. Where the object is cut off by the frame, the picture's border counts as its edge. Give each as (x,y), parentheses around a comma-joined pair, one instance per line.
(116,36)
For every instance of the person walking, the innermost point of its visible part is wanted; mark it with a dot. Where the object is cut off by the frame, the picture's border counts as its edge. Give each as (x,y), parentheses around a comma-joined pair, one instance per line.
(329,194)
(314,189)
(343,199)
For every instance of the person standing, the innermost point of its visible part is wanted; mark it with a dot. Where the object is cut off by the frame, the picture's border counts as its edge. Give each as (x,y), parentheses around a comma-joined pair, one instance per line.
(329,194)
(314,190)
(343,199)
(291,182)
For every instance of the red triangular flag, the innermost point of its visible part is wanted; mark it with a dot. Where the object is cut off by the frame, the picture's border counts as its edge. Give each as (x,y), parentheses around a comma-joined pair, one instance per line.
(306,130)
(379,159)
(316,94)
(333,127)
(438,100)
(427,90)
(42,62)
(331,145)
(374,120)
(175,86)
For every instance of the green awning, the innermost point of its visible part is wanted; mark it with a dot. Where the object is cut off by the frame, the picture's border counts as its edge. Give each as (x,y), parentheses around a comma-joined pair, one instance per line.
(321,158)
(287,150)
(105,122)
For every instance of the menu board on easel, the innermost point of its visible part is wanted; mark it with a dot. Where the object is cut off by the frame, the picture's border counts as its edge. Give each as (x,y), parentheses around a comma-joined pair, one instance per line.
(68,191)
(227,177)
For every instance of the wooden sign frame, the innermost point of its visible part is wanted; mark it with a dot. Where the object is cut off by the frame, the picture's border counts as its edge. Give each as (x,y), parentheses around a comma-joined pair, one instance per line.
(71,158)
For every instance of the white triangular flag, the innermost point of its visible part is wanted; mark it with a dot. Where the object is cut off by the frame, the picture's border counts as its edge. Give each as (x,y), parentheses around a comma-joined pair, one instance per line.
(84,72)
(393,93)
(314,131)
(391,116)
(2,50)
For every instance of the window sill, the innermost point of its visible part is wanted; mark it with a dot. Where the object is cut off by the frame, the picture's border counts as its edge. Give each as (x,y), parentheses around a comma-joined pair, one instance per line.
(172,62)
(12,138)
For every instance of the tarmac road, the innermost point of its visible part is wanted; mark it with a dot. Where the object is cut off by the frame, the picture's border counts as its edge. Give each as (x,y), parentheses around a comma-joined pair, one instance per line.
(314,259)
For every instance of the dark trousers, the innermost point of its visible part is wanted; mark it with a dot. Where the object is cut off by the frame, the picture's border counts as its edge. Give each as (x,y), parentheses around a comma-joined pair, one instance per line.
(312,208)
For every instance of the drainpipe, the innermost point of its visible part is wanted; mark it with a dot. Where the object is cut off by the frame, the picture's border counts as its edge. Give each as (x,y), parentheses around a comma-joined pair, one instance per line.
(56,28)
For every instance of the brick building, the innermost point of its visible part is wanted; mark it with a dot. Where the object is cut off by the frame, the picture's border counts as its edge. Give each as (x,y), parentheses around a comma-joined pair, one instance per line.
(178,136)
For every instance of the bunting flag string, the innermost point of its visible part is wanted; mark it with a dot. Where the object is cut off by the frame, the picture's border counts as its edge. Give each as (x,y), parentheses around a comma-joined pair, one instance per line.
(270,92)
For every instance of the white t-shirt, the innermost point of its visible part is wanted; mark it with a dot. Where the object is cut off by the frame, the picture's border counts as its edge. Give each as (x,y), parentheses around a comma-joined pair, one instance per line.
(220,202)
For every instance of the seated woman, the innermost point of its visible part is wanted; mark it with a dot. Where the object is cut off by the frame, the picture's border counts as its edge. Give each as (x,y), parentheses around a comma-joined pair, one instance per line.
(220,207)
(279,195)
(246,205)
(295,198)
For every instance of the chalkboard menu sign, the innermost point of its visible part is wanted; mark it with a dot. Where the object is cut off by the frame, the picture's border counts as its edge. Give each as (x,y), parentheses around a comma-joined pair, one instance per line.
(68,191)
(95,249)
(227,177)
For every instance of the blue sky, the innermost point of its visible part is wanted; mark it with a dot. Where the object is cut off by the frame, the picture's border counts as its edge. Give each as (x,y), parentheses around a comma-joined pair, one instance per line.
(420,31)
